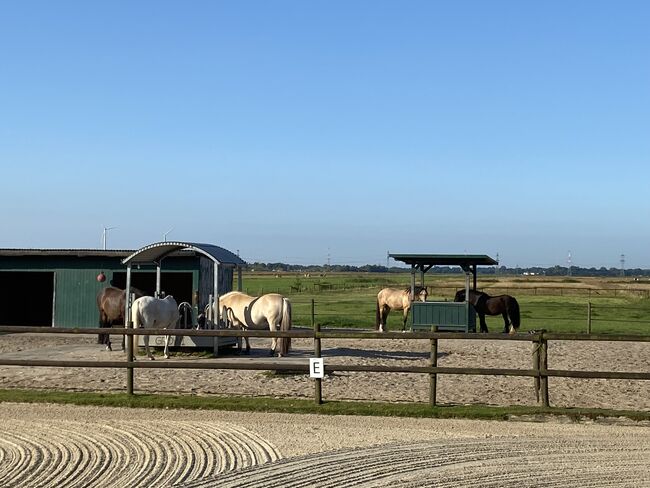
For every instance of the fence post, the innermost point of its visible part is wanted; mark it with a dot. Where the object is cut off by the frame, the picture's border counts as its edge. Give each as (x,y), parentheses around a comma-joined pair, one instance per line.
(318,387)
(588,317)
(536,366)
(543,359)
(313,313)
(433,377)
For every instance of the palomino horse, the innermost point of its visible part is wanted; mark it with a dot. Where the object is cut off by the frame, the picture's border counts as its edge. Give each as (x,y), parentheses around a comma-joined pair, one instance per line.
(271,311)
(484,304)
(398,299)
(110,303)
(155,313)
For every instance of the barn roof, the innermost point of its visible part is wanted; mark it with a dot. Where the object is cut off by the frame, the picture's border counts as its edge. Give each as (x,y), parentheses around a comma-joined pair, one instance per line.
(154,253)
(81,253)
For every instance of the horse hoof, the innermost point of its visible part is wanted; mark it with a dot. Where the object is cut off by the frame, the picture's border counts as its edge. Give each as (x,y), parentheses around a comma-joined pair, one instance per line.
(152,358)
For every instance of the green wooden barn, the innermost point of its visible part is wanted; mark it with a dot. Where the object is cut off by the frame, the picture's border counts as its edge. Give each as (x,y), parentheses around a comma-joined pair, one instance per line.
(58,287)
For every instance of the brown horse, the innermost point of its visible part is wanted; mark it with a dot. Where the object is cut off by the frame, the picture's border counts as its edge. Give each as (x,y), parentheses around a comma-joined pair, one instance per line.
(111,303)
(484,304)
(398,299)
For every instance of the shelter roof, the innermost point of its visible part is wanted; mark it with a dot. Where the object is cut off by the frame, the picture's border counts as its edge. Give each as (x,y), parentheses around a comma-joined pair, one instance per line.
(462,260)
(153,253)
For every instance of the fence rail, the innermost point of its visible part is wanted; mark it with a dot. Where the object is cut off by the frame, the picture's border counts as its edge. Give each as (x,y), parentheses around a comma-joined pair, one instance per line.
(539,339)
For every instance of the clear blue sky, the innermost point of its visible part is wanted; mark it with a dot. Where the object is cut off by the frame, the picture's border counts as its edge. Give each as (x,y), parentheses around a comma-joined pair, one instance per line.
(290,130)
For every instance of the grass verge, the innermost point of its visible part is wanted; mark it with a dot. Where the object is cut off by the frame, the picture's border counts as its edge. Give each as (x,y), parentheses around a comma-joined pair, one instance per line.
(303,406)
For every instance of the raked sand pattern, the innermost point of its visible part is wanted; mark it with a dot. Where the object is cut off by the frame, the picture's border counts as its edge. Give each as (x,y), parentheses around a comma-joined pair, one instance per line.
(477,463)
(70,446)
(69,453)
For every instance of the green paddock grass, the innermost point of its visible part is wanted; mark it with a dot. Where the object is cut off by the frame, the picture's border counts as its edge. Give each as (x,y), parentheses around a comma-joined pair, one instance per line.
(302,406)
(351,302)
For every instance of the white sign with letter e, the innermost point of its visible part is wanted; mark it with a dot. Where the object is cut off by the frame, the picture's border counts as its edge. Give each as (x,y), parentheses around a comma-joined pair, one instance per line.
(316,368)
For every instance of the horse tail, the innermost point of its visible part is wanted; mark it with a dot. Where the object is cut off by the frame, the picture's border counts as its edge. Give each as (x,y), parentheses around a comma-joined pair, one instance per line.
(285,325)
(377,318)
(513,312)
(135,315)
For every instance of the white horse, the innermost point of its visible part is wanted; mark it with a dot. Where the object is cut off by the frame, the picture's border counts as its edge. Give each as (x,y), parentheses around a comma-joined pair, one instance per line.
(271,311)
(155,313)
(398,299)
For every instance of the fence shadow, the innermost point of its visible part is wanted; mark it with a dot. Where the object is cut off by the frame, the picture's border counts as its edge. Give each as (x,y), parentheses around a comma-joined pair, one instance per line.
(375,353)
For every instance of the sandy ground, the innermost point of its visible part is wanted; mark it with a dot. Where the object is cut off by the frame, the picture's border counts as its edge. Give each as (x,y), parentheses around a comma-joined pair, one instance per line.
(55,445)
(393,387)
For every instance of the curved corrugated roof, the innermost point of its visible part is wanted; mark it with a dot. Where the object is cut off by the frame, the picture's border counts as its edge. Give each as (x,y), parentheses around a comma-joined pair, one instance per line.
(153,253)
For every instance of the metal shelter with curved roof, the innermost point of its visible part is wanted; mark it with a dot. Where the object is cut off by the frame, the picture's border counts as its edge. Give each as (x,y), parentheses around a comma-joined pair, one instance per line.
(156,252)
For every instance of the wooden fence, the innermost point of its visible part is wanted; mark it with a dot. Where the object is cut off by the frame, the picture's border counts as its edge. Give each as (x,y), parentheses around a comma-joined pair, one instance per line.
(539,368)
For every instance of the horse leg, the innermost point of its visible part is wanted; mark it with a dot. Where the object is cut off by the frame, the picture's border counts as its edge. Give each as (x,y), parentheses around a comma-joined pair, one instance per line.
(274,340)
(166,351)
(248,346)
(406,314)
(146,348)
(506,323)
(383,318)
(104,338)
(484,327)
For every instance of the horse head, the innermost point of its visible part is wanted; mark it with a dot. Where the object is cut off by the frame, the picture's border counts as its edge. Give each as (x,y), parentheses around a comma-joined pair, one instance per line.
(421,293)
(460,296)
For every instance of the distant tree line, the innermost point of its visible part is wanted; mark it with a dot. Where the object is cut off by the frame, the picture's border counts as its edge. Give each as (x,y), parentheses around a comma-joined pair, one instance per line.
(486,270)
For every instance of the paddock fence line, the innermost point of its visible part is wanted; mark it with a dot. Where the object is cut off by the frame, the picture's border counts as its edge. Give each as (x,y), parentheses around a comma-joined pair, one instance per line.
(539,340)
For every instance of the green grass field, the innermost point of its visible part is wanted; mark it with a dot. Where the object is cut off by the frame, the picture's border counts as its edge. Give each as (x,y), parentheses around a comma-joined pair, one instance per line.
(557,305)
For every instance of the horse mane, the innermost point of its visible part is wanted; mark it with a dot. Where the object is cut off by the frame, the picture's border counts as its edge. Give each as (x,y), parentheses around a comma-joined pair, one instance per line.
(418,289)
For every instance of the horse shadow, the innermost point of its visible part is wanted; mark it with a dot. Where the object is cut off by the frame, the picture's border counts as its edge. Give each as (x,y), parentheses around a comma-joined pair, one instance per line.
(374,353)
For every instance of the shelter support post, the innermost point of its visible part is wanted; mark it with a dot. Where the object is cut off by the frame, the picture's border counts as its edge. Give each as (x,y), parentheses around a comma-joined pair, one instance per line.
(412,282)
(128,303)
(216,311)
(158,281)
(239,283)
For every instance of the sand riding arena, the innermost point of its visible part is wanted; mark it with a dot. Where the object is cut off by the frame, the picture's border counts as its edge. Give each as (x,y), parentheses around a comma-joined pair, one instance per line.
(51,445)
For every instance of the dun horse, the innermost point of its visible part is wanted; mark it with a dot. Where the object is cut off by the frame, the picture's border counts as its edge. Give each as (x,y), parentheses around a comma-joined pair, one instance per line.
(271,311)
(155,313)
(111,302)
(484,305)
(398,299)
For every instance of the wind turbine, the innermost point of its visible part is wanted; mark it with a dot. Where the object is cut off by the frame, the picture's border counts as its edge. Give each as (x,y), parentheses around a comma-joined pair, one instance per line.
(106,229)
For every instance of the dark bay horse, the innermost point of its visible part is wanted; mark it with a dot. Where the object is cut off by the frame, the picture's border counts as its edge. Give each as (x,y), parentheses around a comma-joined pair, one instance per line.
(110,303)
(484,305)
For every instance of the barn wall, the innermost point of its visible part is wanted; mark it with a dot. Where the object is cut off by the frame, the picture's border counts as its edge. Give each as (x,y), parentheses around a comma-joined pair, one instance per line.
(76,286)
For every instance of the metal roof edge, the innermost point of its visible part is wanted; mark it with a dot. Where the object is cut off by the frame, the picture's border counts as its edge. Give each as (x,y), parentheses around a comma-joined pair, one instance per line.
(158,250)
